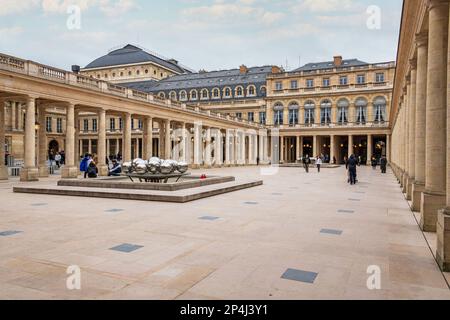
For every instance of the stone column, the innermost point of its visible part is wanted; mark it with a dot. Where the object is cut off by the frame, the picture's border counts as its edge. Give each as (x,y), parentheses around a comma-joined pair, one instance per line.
(350,145)
(261,147)
(167,140)
(228,146)
(282,149)
(250,149)
(412,130)
(443,224)
(148,138)
(218,148)
(332,148)
(3,168)
(101,144)
(13,123)
(30,172)
(183,143)
(198,145)
(208,148)
(126,142)
(315,146)
(42,142)
(369,149)
(388,147)
(434,197)
(70,170)
(420,125)
(298,153)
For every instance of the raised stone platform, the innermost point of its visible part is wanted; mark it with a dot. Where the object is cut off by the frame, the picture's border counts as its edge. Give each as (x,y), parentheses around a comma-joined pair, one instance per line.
(124,183)
(300,165)
(179,196)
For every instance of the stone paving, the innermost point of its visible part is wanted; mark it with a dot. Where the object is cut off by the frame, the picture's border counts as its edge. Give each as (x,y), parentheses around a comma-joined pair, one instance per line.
(299,236)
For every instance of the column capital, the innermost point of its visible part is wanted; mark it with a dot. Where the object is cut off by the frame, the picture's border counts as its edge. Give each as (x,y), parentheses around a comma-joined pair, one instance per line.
(421,39)
(432,4)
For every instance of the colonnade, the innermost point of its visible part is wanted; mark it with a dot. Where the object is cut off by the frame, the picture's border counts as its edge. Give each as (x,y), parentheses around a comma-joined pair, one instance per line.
(421,131)
(194,143)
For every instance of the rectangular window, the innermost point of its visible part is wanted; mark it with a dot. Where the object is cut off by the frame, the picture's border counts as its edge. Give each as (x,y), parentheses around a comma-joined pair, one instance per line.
(120,123)
(132,124)
(326,82)
(310,83)
(361,79)
(343,80)
(262,118)
(294,84)
(251,116)
(140,124)
(278,86)
(239,115)
(59,128)
(112,124)
(48,124)
(85,125)
(379,77)
(293,117)
(94,125)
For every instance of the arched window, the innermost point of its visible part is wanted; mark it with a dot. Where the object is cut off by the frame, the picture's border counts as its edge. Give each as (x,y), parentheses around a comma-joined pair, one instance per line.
(361,111)
(293,113)
(343,106)
(239,92)
(173,95)
(204,94)
(138,72)
(193,95)
(251,91)
(216,93)
(309,112)
(263,91)
(227,93)
(379,110)
(278,109)
(325,112)
(183,96)
(162,95)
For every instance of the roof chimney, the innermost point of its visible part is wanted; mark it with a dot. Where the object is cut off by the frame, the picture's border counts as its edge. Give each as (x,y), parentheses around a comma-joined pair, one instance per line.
(337,61)
(243,69)
(276,69)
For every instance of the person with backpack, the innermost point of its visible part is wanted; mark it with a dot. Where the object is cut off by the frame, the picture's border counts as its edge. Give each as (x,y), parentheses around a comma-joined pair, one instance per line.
(84,164)
(306,163)
(352,164)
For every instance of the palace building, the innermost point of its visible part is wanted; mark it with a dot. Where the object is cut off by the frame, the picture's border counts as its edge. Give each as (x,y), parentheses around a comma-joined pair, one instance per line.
(333,108)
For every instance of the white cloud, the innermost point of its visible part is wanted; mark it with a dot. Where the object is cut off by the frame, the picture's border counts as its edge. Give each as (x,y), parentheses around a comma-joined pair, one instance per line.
(12,31)
(325,5)
(8,7)
(116,8)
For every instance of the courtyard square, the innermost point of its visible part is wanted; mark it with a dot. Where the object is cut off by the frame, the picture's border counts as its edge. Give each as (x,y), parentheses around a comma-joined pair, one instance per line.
(298,236)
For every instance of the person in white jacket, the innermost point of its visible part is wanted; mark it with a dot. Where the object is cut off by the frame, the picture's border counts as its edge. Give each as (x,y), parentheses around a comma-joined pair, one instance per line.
(318,163)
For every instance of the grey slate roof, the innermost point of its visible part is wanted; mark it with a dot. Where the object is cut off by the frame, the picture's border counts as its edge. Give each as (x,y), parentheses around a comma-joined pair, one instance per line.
(129,55)
(206,80)
(330,64)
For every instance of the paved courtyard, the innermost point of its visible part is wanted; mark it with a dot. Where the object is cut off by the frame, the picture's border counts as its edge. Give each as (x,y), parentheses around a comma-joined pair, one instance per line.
(232,246)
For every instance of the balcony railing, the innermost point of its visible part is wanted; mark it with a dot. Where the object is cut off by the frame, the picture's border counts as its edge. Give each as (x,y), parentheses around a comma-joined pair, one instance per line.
(373,124)
(343,87)
(33,69)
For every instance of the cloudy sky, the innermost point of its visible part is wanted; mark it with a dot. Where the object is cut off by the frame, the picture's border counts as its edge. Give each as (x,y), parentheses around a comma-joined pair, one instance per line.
(202,34)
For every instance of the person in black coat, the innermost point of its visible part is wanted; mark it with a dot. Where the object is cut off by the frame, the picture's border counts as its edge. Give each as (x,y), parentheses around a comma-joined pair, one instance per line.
(352,164)
(306,163)
(383,164)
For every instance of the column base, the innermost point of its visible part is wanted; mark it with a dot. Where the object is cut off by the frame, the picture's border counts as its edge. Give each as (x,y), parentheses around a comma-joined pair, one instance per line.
(3,173)
(417,189)
(43,172)
(409,187)
(404,182)
(195,166)
(430,205)
(69,172)
(29,174)
(103,171)
(443,239)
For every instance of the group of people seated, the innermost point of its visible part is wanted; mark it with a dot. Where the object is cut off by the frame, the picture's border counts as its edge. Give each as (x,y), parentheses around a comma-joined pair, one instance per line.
(88,165)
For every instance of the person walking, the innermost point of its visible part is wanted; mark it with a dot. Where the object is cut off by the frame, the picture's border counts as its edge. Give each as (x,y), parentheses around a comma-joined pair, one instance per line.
(374,163)
(306,163)
(58,159)
(352,164)
(318,163)
(383,164)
